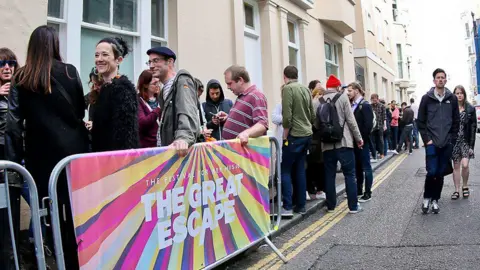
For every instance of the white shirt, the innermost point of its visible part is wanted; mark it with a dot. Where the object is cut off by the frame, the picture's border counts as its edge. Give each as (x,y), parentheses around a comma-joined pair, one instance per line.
(414,108)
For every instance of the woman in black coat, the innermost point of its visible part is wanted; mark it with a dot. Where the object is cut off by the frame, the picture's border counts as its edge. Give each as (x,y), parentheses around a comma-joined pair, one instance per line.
(45,113)
(115,121)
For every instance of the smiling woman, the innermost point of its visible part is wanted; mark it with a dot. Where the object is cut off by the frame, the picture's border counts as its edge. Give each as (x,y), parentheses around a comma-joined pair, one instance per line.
(115,122)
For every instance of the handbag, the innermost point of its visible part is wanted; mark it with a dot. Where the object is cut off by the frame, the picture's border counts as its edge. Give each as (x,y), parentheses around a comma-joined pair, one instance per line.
(448,169)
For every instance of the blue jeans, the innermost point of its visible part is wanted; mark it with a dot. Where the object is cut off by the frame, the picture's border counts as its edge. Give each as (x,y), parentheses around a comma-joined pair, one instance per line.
(394,140)
(294,156)
(363,170)
(347,160)
(386,138)
(436,163)
(416,139)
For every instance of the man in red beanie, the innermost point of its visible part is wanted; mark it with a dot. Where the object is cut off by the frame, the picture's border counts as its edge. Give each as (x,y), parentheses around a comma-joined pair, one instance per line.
(335,115)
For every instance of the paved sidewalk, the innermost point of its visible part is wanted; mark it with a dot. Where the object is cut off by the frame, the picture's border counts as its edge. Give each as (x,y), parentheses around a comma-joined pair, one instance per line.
(314,205)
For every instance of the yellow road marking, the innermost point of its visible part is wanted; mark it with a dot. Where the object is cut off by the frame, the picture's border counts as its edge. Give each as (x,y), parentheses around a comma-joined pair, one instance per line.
(320,227)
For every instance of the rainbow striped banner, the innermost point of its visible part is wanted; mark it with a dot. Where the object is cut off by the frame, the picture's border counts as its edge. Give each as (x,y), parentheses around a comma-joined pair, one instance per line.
(150,209)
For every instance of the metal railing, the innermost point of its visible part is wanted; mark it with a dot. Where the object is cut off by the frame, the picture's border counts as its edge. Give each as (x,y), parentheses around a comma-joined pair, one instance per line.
(55,214)
(35,211)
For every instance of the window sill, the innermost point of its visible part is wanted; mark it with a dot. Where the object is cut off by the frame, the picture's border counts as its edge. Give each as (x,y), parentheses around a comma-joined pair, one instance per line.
(305,4)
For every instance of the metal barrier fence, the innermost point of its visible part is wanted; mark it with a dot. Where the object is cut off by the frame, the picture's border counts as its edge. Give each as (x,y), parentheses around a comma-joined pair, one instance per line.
(35,211)
(275,207)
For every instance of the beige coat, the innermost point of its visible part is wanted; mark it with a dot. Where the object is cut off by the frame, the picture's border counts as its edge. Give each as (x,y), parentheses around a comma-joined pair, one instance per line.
(347,119)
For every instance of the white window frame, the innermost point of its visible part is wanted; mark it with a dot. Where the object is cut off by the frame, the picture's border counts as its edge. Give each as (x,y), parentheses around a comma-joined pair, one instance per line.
(370,23)
(62,26)
(379,25)
(255,33)
(295,46)
(162,40)
(387,41)
(138,66)
(334,62)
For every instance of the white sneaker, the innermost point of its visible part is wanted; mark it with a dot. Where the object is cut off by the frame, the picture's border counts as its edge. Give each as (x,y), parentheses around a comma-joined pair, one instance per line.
(308,197)
(395,152)
(373,160)
(426,205)
(318,196)
(359,209)
(435,207)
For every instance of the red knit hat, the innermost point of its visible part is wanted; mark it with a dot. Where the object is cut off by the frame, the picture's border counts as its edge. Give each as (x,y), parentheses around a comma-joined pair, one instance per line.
(333,82)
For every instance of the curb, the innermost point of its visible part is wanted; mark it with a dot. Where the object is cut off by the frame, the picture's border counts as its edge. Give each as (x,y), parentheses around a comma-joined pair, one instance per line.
(319,204)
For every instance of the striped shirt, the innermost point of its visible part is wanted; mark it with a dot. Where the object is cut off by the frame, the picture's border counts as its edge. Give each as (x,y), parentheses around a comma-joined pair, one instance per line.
(249,109)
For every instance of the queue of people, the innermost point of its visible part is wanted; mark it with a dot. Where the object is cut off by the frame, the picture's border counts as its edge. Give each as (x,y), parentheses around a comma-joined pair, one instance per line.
(42,121)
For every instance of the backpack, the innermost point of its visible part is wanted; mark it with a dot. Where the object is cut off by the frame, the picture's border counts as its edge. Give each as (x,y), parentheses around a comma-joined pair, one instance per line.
(374,126)
(329,128)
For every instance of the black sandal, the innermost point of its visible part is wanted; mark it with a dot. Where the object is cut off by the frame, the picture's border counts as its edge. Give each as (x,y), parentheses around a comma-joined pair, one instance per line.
(466,192)
(455,195)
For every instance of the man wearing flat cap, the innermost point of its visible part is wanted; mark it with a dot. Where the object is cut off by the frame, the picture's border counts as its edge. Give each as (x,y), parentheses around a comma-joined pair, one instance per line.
(179,122)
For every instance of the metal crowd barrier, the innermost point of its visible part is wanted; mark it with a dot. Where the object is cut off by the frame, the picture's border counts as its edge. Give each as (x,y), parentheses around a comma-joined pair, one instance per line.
(35,211)
(275,207)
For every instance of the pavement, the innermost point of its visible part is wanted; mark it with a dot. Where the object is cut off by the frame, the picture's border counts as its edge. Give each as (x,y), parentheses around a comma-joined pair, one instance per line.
(390,233)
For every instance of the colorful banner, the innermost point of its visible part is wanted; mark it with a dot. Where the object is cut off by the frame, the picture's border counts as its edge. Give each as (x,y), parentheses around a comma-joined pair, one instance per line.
(150,209)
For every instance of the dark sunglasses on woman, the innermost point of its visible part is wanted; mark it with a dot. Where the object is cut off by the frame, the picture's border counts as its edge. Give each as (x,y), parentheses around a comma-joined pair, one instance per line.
(10,63)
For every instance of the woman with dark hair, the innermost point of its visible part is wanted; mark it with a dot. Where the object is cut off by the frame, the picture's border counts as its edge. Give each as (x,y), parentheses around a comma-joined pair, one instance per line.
(46,106)
(315,165)
(148,109)
(8,66)
(94,83)
(115,125)
(465,144)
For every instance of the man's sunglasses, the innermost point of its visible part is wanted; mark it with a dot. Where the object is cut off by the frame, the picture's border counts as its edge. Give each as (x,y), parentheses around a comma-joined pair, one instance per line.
(11,63)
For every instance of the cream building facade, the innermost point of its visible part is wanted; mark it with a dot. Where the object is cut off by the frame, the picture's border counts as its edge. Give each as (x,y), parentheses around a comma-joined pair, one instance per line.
(374,50)
(208,35)
(405,59)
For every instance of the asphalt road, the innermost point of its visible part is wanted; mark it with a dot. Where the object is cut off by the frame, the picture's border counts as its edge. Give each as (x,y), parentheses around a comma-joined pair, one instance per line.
(391,232)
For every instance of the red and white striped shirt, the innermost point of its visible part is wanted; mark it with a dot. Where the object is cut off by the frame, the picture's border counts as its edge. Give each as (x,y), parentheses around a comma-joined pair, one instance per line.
(249,109)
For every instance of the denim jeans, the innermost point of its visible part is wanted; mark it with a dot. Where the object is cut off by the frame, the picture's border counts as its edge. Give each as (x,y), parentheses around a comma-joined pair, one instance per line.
(394,136)
(436,163)
(416,139)
(347,160)
(386,144)
(406,133)
(294,156)
(363,170)
(377,142)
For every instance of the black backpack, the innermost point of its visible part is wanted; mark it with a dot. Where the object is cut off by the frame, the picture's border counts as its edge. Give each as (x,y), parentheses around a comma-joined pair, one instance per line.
(329,128)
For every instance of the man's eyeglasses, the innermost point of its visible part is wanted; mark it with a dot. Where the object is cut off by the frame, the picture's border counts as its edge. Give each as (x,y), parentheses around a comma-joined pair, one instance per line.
(154,61)
(10,63)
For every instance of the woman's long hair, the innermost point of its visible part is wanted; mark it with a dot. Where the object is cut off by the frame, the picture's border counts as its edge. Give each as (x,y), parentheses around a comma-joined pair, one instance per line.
(93,78)
(143,83)
(462,89)
(43,49)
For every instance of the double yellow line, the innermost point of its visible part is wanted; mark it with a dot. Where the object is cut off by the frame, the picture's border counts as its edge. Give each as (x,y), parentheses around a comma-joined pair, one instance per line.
(309,235)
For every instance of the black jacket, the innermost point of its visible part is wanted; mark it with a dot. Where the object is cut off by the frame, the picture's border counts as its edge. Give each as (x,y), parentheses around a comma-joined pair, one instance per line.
(364,116)
(210,107)
(53,127)
(407,117)
(470,128)
(438,121)
(115,119)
